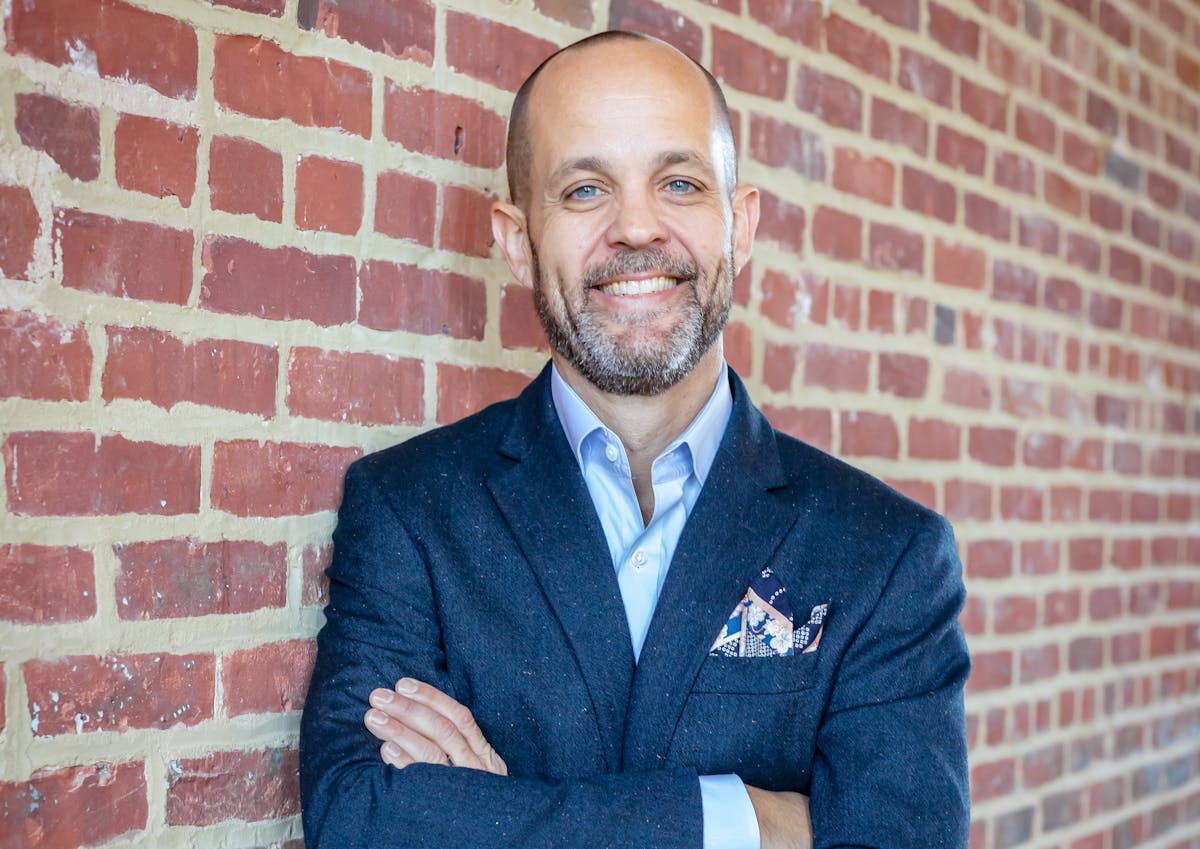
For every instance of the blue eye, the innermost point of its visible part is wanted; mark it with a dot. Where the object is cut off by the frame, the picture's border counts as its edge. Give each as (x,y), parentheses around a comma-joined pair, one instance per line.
(584,193)
(680,186)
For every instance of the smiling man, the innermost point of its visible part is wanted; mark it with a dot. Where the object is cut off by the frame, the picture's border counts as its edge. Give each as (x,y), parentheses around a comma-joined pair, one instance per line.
(620,610)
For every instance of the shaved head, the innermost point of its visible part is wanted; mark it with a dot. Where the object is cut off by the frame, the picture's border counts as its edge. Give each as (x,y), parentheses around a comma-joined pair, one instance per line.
(520,141)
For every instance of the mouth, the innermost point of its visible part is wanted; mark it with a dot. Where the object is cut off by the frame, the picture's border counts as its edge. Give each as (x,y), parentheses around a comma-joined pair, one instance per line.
(648,286)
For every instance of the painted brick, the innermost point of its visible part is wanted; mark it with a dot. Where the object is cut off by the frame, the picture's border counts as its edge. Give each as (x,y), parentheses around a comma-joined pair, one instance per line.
(81,694)
(859,46)
(176,578)
(782,145)
(276,283)
(267,679)
(111,38)
(125,259)
(75,806)
(42,358)
(355,387)
(257,78)
(69,133)
(832,99)
(399,30)
(245,177)
(747,66)
(79,474)
(444,125)
(224,785)
(463,391)
(430,302)
(151,365)
(41,584)
(156,157)
(491,52)
(329,195)
(278,478)
(866,434)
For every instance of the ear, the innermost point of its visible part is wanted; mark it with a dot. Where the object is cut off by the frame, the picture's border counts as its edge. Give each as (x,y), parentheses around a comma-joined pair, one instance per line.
(511,233)
(745,225)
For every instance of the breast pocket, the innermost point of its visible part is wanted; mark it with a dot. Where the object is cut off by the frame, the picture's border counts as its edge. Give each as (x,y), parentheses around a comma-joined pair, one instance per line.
(750,675)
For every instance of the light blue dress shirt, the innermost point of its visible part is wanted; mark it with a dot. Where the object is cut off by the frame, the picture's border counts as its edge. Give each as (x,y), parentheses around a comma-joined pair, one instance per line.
(641,552)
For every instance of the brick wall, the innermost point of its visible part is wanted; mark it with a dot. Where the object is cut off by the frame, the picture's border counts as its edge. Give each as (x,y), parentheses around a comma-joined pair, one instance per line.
(244,241)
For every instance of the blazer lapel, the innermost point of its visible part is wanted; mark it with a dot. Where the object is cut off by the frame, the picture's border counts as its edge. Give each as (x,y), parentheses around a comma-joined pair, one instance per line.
(545,501)
(741,516)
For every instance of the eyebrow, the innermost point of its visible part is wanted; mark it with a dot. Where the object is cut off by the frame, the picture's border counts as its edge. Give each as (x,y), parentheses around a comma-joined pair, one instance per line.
(596,163)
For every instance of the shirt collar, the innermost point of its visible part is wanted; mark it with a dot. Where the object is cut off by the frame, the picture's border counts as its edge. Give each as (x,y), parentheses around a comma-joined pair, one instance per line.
(702,436)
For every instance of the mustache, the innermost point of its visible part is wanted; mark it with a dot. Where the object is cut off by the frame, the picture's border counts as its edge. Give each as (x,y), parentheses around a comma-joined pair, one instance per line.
(629,263)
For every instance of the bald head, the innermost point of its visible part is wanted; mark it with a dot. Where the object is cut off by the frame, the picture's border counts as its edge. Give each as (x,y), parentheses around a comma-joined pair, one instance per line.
(520,135)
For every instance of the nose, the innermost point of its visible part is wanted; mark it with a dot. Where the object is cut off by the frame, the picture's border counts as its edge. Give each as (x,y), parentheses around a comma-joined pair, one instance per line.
(636,221)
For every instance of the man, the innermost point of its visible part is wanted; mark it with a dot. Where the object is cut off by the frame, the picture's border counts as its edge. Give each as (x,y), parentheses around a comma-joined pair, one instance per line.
(620,610)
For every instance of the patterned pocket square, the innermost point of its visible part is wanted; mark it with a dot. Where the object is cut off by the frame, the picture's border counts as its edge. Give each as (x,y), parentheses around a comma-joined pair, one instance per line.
(762,624)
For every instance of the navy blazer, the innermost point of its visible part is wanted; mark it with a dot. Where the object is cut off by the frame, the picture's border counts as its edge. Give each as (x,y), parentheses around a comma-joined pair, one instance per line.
(471,557)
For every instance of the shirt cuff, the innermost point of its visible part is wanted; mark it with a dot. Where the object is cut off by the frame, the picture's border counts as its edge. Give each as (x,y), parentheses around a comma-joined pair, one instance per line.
(729,820)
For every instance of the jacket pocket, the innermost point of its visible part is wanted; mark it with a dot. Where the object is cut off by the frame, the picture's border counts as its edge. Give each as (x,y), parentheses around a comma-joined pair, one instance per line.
(750,675)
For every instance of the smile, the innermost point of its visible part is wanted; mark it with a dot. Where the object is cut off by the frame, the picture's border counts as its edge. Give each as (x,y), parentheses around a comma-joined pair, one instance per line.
(649,286)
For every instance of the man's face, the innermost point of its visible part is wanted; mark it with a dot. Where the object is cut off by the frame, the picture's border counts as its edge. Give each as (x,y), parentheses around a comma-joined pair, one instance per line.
(629,221)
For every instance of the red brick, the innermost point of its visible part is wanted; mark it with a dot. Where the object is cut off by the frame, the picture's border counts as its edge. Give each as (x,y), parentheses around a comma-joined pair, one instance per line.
(126,259)
(956,34)
(685,34)
(745,65)
(463,391)
(580,15)
(1081,154)
(1105,211)
(991,780)
(74,806)
(933,439)
(278,478)
(1061,193)
(315,585)
(399,30)
(404,297)
(81,694)
(1163,281)
(837,234)
(1106,506)
(110,38)
(1104,603)
(782,145)
(847,306)
(881,311)
(466,221)
(355,387)
(1043,451)
(959,150)
(965,388)
(859,46)
(832,99)
(67,132)
(19,226)
(271,678)
(443,125)
(1014,283)
(1162,190)
(494,53)
(896,248)
(151,365)
(967,500)
(1036,128)
(1115,25)
(1180,244)
(1179,152)
(1014,614)
(866,434)
(277,283)
(255,77)
(927,195)
(1008,63)
(329,195)
(229,785)
(42,584)
(1102,115)
(245,177)
(1062,607)
(902,13)
(782,222)
(156,157)
(271,8)
(1106,311)
(872,177)
(903,375)
(989,108)
(1015,173)
(779,366)
(176,578)
(1083,252)
(839,369)
(1021,503)
(959,265)
(1146,228)
(926,77)
(984,215)
(519,323)
(814,426)
(79,474)
(990,671)
(43,359)
(892,124)
(780,299)
(996,446)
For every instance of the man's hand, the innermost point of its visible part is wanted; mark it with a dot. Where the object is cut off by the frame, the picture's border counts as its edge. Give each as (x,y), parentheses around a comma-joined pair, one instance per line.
(420,724)
(783,821)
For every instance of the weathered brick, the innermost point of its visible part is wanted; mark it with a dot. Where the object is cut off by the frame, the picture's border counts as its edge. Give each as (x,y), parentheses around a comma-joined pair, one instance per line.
(466,221)
(866,434)
(355,387)
(990,671)
(966,388)
(277,283)
(245,177)
(156,157)
(42,358)
(859,46)
(520,326)
(685,34)
(923,193)
(959,265)
(781,145)
(814,426)
(831,98)
(1038,233)
(959,150)
(1035,128)
(175,578)
(444,125)
(896,248)
(492,52)
(404,297)
(954,32)
(986,216)
(839,369)
(109,38)
(989,108)
(782,222)
(151,365)
(933,439)
(991,780)
(271,8)
(271,678)
(80,474)
(74,806)
(329,195)
(746,65)
(837,234)
(871,177)
(891,123)
(315,560)
(256,77)
(903,375)
(41,584)
(278,478)
(225,785)
(81,694)
(68,133)
(126,259)
(779,366)
(399,30)
(995,446)
(462,391)
(926,77)
(580,14)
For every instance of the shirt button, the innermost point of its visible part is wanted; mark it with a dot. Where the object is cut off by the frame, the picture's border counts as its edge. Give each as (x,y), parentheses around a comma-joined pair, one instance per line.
(610,451)
(639,558)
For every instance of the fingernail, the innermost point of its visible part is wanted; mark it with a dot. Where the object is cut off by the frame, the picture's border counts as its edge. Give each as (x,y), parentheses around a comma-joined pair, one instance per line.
(391,750)
(384,696)
(376,717)
(407,686)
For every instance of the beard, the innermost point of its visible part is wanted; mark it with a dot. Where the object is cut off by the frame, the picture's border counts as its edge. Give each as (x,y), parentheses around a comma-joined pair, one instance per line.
(623,363)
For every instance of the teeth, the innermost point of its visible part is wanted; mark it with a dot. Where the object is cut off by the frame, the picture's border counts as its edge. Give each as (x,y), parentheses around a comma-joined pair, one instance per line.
(639,287)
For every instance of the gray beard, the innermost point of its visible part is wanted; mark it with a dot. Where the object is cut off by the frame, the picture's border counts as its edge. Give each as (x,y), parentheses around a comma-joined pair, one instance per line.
(636,368)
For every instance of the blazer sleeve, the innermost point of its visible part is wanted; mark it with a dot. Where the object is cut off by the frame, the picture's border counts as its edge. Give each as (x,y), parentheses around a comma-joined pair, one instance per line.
(891,766)
(381,624)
